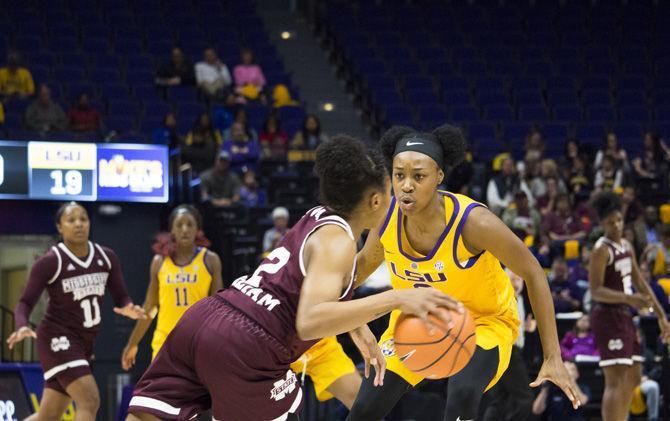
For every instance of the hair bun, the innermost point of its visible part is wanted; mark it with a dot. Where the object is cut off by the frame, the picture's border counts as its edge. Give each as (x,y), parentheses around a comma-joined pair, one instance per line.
(453,143)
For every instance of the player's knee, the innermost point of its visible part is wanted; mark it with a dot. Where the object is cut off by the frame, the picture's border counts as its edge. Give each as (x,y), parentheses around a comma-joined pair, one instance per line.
(89,401)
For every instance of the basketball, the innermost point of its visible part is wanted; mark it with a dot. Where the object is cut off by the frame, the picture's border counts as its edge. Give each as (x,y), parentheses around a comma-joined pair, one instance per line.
(441,355)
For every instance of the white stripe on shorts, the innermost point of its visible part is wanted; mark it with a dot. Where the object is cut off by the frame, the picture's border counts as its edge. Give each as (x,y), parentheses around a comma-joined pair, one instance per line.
(294,407)
(71,364)
(615,361)
(638,358)
(151,403)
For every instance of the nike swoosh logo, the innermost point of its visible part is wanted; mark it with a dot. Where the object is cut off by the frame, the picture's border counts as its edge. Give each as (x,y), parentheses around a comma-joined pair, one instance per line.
(406,356)
(414,143)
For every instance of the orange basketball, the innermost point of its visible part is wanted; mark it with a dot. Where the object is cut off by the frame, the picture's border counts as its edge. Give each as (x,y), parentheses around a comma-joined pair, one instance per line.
(441,355)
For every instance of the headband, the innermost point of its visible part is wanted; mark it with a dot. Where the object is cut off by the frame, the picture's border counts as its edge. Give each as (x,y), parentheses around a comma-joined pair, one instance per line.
(422,145)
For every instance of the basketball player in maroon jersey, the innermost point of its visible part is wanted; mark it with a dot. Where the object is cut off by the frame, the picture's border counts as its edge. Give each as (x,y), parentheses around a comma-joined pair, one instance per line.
(232,351)
(613,272)
(76,272)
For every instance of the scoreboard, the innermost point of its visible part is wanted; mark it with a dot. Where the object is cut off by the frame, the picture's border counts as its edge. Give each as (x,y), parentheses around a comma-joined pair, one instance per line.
(83,171)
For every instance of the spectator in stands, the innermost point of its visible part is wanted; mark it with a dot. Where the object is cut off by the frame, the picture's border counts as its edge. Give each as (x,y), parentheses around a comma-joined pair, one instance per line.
(249,78)
(521,218)
(579,179)
(650,168)
(567,295)
(213,77)
(44,115)
(659,292)
(562,224)
(16,82)
(552,404)
(244,152)
(501,188)
(168,134)
(251,194)
(608,177)
(274,235)
(651,225)
(548,169)
(534,145)
(579,341)
(177,71)
(658,254)
(274,141)
(632,208)
(218,185)
(648,393)
(579,273)
(310,136)
(572,150)
(547,203)
(83,117)
(201,144)
(611,148)
(241,117)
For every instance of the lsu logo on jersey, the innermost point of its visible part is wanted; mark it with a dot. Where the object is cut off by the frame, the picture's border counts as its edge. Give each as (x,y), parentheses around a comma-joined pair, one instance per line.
(414,276)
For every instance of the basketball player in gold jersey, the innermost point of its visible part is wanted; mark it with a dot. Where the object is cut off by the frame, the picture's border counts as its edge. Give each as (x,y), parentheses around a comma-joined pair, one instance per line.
(183,272)
(437,239)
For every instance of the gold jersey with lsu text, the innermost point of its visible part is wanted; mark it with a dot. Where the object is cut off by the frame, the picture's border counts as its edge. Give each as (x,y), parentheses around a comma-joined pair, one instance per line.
(478,281)
(179,287)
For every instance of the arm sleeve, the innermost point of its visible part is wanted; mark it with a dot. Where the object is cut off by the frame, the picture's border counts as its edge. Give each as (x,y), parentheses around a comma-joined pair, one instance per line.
(40,274)
(116,283)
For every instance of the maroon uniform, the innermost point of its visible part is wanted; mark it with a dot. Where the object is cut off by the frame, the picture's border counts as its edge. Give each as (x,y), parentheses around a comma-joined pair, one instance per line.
(75,287)
(613,327)
(232,351)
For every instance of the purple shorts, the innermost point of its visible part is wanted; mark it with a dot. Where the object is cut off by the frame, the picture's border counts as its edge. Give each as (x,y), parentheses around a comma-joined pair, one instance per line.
(218,357)
(64,355)
(616,338)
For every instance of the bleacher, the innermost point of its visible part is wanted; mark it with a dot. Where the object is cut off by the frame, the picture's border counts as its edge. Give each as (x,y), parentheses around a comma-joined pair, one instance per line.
(572,68)
(111,50)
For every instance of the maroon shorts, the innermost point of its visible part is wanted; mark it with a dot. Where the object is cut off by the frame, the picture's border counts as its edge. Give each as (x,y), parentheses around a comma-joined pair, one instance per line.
(218,357)
(64,355)
(615,333)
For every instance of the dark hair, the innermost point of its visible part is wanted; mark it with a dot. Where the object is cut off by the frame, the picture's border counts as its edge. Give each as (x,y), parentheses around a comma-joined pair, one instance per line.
(606,138)
(606,203)
(449,137)
(346,168)
(244,50)
(305,133)
(267,122)
(62,208)
(191,210)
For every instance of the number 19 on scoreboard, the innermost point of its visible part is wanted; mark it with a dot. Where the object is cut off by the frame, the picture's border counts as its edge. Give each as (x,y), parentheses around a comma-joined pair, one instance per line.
(62,171)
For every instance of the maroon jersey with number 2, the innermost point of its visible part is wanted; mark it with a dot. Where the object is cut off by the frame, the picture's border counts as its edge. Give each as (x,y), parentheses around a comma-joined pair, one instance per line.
(612,324)
(75,287)
(232,351)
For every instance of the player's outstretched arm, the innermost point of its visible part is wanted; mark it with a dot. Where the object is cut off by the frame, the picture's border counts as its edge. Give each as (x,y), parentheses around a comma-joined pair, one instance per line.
(329,255)
(485,231)
(142,325)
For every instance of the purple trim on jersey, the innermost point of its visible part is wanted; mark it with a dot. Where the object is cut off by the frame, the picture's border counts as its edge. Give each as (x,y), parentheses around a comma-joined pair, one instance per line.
(388,218)
(439,241)
(197,250)
(472,260)
(204,259)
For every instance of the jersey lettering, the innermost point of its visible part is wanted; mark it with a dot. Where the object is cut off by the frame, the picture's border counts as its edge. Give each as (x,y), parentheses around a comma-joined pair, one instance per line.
(625,267)
(412,276)
(278,258)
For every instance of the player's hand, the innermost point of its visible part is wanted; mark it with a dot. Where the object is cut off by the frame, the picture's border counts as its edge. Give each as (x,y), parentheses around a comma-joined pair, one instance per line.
(128,357)
(664,325)
(553,370)
(421,302)
(639,301)
(366,343)
(20,335)
(131,311)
